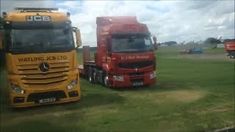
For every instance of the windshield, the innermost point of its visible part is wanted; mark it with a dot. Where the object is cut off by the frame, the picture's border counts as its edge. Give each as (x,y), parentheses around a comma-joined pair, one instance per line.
(131,43)
(41,40)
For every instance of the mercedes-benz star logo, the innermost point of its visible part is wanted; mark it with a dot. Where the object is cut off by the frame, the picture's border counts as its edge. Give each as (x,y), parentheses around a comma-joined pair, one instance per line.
(44,67)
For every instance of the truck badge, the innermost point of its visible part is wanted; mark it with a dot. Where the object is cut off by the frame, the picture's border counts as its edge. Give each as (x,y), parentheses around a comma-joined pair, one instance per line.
(44,67)
(136,69)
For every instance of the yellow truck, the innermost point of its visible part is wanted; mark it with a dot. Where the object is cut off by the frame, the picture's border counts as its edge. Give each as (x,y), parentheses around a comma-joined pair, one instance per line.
(40,47)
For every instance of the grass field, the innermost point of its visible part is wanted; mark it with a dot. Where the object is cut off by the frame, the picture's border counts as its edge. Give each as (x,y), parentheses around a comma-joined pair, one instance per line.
(192,93)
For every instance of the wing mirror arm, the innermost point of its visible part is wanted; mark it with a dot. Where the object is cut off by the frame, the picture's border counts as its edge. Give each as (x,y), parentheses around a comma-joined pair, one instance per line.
(155,42)
(1,41)
(78,37)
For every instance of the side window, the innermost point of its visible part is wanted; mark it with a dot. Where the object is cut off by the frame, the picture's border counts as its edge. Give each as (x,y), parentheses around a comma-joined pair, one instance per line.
(148,43)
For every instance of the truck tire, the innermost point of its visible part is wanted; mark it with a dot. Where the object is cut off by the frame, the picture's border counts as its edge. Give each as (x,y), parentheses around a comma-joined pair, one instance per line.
(105,81)
(94,76)
(90,75)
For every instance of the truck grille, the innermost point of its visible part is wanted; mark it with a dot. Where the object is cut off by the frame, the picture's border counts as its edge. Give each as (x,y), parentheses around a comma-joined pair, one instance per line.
(133,65)
(136,75)
(31,74)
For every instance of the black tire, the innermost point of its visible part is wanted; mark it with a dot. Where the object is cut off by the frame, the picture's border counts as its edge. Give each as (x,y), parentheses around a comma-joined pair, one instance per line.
(94,76)
(90,75)
(105,80)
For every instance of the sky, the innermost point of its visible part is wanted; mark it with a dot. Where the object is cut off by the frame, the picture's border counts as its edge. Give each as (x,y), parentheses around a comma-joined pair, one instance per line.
(168,20)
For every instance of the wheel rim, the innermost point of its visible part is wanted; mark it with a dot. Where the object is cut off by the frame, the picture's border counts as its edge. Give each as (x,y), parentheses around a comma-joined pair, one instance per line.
(89,78)
(106,79)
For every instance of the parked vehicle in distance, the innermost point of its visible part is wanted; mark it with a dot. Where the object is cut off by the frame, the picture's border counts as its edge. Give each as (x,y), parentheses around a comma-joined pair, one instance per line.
(194,50)
(125,54)
(41,57)
(229,46)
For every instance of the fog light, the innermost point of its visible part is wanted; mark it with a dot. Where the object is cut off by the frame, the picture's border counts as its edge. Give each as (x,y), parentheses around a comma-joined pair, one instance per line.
(118,78)
(152,75)
(17,89)
(73,94)
(18,100)
(72,85)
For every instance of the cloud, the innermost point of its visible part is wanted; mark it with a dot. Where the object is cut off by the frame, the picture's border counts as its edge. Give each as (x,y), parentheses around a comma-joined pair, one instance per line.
(9,5)
(168,20)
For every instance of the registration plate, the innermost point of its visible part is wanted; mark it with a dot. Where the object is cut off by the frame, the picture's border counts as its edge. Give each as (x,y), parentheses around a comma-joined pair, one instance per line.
(137,83)
(47,100)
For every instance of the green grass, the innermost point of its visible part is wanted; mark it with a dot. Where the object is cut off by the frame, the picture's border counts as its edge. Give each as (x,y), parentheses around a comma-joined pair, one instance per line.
(191,94)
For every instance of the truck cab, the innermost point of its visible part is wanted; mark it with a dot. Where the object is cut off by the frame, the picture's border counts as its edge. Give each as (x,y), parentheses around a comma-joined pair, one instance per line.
(41,57)
(229,47)
(125,53)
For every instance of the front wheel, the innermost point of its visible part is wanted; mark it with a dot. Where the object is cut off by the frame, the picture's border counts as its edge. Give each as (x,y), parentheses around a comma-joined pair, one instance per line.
(90,79)
(90,75)
(106,80)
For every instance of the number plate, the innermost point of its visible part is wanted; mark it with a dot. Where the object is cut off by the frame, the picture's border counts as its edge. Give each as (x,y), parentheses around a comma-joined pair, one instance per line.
(47,100)
(137,83)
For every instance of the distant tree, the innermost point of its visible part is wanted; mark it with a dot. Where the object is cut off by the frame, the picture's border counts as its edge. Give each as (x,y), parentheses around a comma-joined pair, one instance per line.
(169,43)
(212,41)
(1,22)
(1,26)
(227,40)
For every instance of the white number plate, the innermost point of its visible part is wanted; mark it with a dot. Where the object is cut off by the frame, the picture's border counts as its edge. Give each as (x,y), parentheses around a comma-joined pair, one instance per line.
(137,83)
(47,100)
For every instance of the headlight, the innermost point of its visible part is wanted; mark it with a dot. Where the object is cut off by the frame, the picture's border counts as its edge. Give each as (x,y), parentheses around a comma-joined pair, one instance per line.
(17,89)
(118,78)
(72,84)
(152,75)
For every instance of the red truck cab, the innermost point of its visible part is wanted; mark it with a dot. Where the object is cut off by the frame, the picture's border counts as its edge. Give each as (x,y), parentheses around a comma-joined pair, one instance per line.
(229,46)
(125,54)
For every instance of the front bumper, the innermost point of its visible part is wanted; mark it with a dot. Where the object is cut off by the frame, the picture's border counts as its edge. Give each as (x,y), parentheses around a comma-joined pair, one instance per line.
(133,80)
(46,97)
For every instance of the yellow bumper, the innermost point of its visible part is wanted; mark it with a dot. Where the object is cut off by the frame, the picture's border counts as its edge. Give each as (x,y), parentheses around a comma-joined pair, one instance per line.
(37,98)
(31,104)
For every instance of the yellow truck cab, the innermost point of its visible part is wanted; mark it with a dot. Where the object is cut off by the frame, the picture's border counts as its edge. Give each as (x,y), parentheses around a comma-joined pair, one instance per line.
(40,50)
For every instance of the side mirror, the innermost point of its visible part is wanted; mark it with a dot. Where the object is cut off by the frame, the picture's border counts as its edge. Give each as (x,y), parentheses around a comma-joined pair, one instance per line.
(78,36)
(1,41)
(108,42)
(155,42)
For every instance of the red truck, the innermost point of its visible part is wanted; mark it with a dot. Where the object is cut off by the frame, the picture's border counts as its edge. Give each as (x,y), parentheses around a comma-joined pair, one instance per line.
(230,48)
(124,56)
